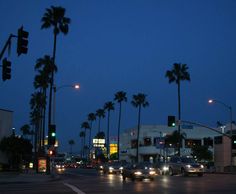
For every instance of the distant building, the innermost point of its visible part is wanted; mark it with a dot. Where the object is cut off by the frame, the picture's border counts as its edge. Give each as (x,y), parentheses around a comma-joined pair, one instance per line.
(152,145)
(6,120)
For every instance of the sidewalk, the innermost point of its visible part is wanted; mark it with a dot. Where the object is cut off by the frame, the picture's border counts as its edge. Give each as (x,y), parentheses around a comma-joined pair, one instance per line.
(31,176)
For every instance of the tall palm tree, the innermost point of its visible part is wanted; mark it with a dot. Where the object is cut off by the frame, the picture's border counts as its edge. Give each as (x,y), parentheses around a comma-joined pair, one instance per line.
(108,106)
(139,101)
(71,143)
(54,17)
(37,103)
(82,136)
(100,113)
(91,118)
(178,73)
(85,126)
(119,97)
(44,66)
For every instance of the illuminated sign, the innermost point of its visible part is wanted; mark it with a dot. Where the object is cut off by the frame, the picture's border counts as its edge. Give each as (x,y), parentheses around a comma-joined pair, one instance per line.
(98,142)
(113,148)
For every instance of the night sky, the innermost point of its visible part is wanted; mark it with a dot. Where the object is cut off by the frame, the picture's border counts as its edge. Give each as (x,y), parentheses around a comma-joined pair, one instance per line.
(125,45)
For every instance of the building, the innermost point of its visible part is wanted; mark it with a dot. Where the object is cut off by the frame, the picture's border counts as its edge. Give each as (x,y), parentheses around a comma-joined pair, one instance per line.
(6,120)
(151,142)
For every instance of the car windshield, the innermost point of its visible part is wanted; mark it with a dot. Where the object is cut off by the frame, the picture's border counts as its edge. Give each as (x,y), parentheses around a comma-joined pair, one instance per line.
(187,160)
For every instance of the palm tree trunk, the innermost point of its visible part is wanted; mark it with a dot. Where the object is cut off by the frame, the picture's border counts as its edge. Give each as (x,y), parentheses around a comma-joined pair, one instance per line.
(179,118)
(52,82)
(99,120)
(137,150)
(90,136)
(108,131)
(118,139)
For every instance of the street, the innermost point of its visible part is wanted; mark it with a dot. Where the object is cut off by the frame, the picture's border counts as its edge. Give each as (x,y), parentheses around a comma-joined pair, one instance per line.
(90,181)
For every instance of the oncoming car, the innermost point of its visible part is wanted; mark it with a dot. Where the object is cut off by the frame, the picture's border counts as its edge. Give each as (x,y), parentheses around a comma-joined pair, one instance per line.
(139,171)
(113,167)
(185,166)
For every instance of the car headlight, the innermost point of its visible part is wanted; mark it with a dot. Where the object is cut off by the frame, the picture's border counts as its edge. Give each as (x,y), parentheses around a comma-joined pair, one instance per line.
(137,173)
(188,166)
(201,166)
(121,168)
(152,172)
(111,168)
(165,168)
(101,167)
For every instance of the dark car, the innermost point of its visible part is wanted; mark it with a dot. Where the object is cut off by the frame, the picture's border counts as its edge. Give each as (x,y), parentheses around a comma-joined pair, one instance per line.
(139,171)
(185,166)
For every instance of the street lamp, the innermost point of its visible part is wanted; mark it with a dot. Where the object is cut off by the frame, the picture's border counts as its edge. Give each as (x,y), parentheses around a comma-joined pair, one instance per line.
(231,130)
(56,89)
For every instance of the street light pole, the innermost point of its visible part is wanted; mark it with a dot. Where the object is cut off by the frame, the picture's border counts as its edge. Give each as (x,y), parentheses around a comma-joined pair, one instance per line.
(55,90)
(231,127)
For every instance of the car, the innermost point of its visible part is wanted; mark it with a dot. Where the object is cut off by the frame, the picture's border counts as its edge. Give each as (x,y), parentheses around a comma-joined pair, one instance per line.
(114,167)
(162,168)
(139,171)
(185,166)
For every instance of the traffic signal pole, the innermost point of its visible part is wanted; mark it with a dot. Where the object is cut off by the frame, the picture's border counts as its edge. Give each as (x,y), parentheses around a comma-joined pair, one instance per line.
(8,42)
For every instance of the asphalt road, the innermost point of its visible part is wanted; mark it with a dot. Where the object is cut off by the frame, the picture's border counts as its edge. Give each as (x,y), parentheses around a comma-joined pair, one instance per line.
(89,181)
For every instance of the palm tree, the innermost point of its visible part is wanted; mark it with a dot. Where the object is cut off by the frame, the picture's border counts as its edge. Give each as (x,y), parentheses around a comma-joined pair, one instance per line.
(85,126)
(101,114)
(139,101)
(25,129)
(91,118)
(37,103)
(108,106)
(82,136)
(119,97)
(71,143)
(178,73)
(55,18)
(44,66)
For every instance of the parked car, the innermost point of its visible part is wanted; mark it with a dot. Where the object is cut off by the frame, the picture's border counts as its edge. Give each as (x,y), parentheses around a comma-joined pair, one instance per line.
(139,171)
(185,166)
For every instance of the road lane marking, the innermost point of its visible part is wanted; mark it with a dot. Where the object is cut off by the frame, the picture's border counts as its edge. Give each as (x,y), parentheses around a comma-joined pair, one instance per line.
(74,188)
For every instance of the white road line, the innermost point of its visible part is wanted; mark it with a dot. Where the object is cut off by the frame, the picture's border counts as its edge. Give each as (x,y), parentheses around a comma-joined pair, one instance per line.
(75,189)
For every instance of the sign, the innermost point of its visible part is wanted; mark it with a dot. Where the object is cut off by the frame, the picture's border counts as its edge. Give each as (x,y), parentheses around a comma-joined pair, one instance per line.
(98,142)
(42,165)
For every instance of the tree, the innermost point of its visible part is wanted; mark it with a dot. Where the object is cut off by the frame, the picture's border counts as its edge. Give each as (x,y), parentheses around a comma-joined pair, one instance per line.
(25,129)
(178,73)
(91,118)
(101,114)
(44,66)
(85,126)
(55,18)
(82,136)
(120,97)
(18,150)
(174,139)
(139,101)
(108,106)
(202,153)
(71,143)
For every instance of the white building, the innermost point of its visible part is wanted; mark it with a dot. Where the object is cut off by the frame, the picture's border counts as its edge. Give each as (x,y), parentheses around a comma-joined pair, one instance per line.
(6,117)
(151,141)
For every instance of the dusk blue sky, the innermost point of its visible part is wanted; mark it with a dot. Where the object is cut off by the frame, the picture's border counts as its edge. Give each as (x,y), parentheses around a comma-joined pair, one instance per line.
(126,45)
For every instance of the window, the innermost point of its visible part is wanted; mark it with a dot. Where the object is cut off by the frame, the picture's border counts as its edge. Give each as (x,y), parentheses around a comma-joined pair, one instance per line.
(147,141)
(134,143)
(208,142)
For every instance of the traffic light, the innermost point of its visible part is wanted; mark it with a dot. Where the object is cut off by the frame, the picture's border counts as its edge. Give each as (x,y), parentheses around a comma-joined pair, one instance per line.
(22,41)
(171,121)
(52,135)
(6,69)
(233,141)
